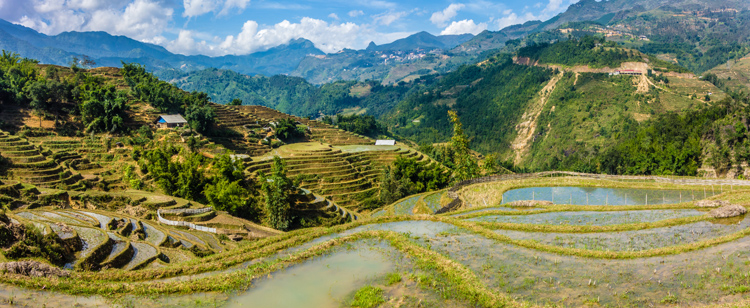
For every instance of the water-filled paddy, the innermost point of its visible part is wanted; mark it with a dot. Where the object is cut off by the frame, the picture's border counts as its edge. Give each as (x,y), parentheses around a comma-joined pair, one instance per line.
(637,240)
(590,218)
(540,277)
(608,196)
(321,282)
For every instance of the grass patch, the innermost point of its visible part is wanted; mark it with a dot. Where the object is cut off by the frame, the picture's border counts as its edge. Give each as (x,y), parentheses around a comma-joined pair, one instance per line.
(368,297)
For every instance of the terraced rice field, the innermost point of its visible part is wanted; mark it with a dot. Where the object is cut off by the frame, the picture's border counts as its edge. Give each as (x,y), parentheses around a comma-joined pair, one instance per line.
(116,241)
(660,255)
(345,176)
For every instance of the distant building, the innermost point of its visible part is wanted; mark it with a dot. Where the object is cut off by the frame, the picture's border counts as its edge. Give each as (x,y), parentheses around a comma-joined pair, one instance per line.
(385,142)
(170,121)
(627,72)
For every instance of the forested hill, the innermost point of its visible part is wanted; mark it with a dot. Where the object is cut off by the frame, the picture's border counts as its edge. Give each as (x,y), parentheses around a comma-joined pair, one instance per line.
(295,95)
(570,118)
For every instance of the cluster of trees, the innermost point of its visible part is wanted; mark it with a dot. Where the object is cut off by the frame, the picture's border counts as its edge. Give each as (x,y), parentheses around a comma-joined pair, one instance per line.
(287,128)
(358,124)
(669,144)
(408,176)
(588,50)
(219,182)
(182,173)
(169,99)
(52,92)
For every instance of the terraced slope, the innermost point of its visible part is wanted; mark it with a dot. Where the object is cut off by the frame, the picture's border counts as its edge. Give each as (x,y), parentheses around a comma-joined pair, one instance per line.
(320,131)
(248,124)
(103,239)
(29,165)
(346,178)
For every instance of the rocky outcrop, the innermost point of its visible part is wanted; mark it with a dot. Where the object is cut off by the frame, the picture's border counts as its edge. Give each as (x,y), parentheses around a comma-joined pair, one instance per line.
(32,269)
(727,211)
(711,203)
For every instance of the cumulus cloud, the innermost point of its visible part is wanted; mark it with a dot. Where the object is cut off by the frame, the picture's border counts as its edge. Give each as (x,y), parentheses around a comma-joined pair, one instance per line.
(553,6)
(442,18)
(198,7)
(514,19)
(327,37)
(464,26)
(141,20)
(333,16)
(388,18)
(356,13)
(238,5)
(195,8)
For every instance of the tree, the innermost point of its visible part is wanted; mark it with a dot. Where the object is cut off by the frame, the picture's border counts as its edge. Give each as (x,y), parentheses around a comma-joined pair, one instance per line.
(236,102)
(277,189)
(230,196)
(287,128)
(466,166)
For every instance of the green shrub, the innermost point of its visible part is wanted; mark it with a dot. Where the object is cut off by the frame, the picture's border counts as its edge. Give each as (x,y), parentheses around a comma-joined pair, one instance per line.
(368,297)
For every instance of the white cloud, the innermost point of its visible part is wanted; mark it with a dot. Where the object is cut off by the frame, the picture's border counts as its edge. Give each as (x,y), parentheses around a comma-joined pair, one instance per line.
(333,16)
(195,8)
(327,37)
(138,19)
(198,7)
(388,18)
(464,26)
(238,5)
(514,19)
(356,13)
(141,20)
(553,6)
(441,18)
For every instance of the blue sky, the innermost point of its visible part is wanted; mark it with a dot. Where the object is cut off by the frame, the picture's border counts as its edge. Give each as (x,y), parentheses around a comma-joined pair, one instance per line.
(220,27)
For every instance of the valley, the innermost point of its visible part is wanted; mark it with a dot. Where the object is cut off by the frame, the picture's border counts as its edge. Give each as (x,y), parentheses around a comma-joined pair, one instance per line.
(596,158)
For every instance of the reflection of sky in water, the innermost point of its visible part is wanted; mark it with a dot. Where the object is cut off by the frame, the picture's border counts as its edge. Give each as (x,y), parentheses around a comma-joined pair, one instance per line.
(640,239)
(605,196)
(590,218)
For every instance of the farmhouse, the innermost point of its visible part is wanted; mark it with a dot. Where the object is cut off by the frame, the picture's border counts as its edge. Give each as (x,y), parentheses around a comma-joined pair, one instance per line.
(170,121)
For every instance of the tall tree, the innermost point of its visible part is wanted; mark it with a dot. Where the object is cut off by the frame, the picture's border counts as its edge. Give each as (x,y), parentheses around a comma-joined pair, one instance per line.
(466,166)
(277,189)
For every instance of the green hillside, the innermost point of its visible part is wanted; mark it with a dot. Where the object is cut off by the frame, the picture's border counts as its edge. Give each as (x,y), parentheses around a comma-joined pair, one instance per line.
(295,95)
(567,117)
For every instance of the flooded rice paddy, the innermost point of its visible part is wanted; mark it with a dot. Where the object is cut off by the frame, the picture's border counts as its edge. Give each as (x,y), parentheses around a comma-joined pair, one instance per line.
(609,196)
(590,218)
(710,274)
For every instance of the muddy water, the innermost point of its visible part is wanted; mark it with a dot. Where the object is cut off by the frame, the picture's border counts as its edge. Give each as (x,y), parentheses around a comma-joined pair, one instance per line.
(592,218)
(608,196)
(322,282)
